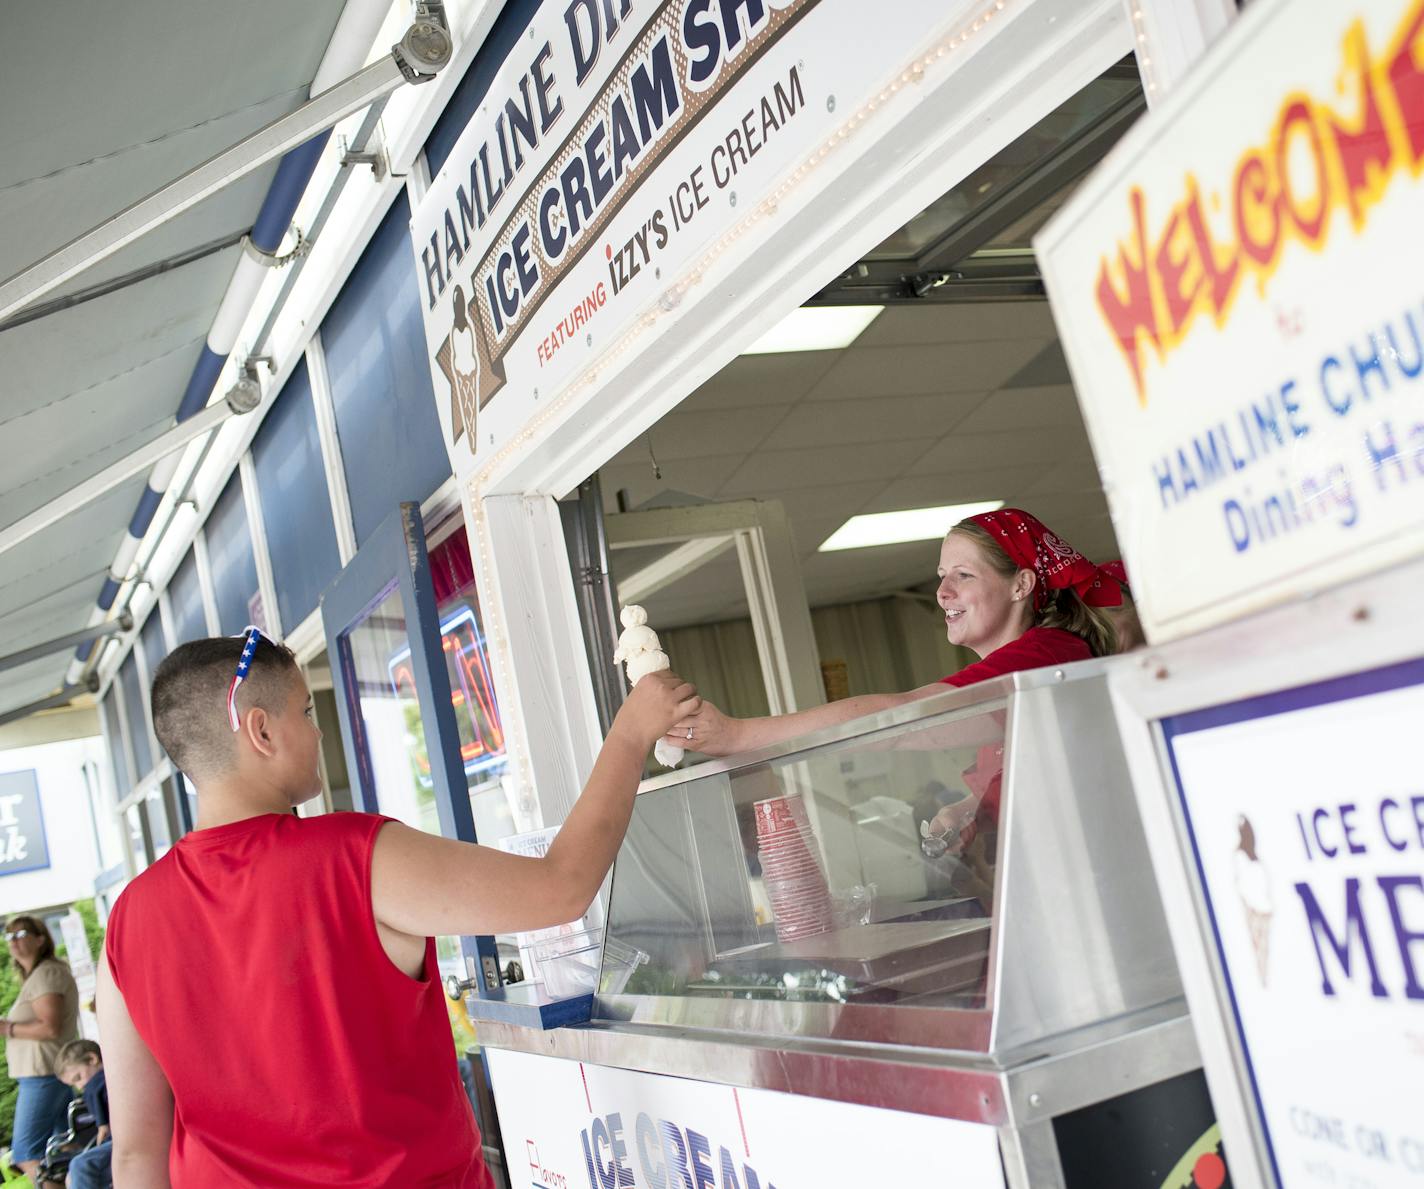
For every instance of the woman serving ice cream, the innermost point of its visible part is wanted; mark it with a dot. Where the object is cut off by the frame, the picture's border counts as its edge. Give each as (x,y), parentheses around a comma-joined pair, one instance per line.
(1013,592)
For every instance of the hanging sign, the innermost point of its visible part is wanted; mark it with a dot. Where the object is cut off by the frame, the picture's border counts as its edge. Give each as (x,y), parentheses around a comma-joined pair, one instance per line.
(23,846)
(617,142)
(1305,818)
(570,1125)
(1238,291)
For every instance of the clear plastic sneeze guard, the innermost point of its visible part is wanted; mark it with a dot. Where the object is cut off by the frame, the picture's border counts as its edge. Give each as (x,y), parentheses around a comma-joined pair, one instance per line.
(965,873)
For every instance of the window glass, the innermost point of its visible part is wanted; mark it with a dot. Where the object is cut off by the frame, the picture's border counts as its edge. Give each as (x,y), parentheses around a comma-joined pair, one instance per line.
(185,598)
(118,758)
(133,695)
(230,556)
(296,506)
(374,338)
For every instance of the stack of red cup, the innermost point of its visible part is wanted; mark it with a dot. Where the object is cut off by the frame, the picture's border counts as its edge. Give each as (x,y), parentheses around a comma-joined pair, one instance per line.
(795,885)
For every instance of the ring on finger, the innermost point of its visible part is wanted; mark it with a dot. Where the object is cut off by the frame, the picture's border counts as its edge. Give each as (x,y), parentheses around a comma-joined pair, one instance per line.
(689,733)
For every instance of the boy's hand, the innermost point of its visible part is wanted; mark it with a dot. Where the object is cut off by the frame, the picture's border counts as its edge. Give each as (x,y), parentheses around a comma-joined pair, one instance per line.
(657,702)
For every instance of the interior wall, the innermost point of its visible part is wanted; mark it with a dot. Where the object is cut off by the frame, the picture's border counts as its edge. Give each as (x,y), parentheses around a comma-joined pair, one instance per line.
(886,644)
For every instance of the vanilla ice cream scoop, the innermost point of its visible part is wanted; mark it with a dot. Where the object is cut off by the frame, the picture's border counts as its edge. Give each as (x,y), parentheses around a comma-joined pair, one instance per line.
(640,654)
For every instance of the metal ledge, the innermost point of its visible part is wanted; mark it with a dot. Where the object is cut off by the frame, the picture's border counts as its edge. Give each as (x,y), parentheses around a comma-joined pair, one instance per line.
(1062,1075)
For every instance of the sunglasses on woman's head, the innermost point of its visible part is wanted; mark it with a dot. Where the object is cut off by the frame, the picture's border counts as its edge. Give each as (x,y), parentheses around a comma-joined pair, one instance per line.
(16,934)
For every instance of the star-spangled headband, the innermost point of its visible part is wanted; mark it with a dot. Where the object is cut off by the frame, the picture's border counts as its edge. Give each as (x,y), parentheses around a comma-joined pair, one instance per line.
(243,665)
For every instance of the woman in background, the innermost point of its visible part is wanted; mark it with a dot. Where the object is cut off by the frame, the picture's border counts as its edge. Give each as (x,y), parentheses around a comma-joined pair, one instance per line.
(42,1020)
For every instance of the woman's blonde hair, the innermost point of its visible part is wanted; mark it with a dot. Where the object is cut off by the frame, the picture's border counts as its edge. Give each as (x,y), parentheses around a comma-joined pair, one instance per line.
(1064,609)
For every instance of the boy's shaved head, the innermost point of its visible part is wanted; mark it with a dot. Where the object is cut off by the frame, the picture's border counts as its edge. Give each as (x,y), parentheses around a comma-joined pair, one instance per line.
(189,698)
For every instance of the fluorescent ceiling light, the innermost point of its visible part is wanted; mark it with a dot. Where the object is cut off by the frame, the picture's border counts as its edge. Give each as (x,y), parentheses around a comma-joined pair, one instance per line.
(815,328)
(895,528)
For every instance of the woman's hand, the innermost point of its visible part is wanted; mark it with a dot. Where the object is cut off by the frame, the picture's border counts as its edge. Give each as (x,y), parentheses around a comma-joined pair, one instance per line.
(952,820)
(708,732)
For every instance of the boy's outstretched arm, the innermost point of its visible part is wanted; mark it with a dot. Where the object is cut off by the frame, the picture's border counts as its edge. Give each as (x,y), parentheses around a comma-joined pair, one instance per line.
(423,885)
(140,1099)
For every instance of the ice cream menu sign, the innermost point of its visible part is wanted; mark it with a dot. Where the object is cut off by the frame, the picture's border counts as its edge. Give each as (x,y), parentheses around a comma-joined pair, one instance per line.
(1238,290)
(1305,819)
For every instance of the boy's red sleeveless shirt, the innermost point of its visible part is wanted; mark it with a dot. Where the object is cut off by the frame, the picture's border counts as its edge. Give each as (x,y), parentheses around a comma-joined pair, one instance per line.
(298,1053)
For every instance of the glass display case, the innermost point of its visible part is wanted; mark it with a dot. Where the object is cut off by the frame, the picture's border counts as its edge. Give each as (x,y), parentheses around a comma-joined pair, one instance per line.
(966,872)
(946,909)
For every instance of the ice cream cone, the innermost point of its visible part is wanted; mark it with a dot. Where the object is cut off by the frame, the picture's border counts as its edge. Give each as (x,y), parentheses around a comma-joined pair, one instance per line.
(1259,923)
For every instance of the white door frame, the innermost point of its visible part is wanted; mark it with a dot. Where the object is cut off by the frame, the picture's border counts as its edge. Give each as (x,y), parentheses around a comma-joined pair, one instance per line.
(771,574)
(1048,51)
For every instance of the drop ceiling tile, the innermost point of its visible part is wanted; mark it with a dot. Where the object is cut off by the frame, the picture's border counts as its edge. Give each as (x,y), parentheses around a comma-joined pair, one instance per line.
(1044,370)
(694,476)
(874,419)
(811,509)
(703,433)
(812,531)
(787,470)
(1076,505)
(888,566)
(929,491)
(959,323)
(750,381)
(924,369)
(1027,409)
(962,451)
(1075,474)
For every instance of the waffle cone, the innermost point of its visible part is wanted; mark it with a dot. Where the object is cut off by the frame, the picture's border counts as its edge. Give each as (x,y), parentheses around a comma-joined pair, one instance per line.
(1259,923)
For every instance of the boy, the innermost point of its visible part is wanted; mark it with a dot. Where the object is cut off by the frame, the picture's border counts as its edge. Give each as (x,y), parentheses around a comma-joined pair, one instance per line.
(270,1004)
(80,1064)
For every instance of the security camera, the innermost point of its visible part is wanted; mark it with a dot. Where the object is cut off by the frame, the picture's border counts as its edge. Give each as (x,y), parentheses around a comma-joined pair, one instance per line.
(426,46)
(245,395)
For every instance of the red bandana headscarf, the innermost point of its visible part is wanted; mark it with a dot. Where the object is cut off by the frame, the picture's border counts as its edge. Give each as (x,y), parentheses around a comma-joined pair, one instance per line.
(1118,573)
(1031,546)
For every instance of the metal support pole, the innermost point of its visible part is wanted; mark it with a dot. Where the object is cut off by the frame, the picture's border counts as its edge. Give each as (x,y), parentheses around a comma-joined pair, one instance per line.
(421,53)
(595,595)
(111,476)
(62,698)
(113,627)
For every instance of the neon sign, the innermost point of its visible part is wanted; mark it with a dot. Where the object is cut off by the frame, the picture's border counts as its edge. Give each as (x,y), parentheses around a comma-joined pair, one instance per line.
(471,693)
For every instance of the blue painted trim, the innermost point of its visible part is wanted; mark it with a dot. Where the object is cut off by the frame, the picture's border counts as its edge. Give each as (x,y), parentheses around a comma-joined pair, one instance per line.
(513,20)
(285,192)
(200,384)
(107,595)
(81,654)
(144,513)
(527,1006)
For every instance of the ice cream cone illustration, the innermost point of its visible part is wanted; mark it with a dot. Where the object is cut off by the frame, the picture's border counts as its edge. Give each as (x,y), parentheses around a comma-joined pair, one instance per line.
(1253,885)
(465,365)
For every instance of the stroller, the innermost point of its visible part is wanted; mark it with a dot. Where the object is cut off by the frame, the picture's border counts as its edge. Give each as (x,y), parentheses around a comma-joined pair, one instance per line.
(65,1146)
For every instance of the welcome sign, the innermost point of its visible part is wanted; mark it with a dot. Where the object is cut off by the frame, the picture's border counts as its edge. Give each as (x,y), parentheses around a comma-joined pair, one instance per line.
(617,142)
(1238,290)
(569,1125)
